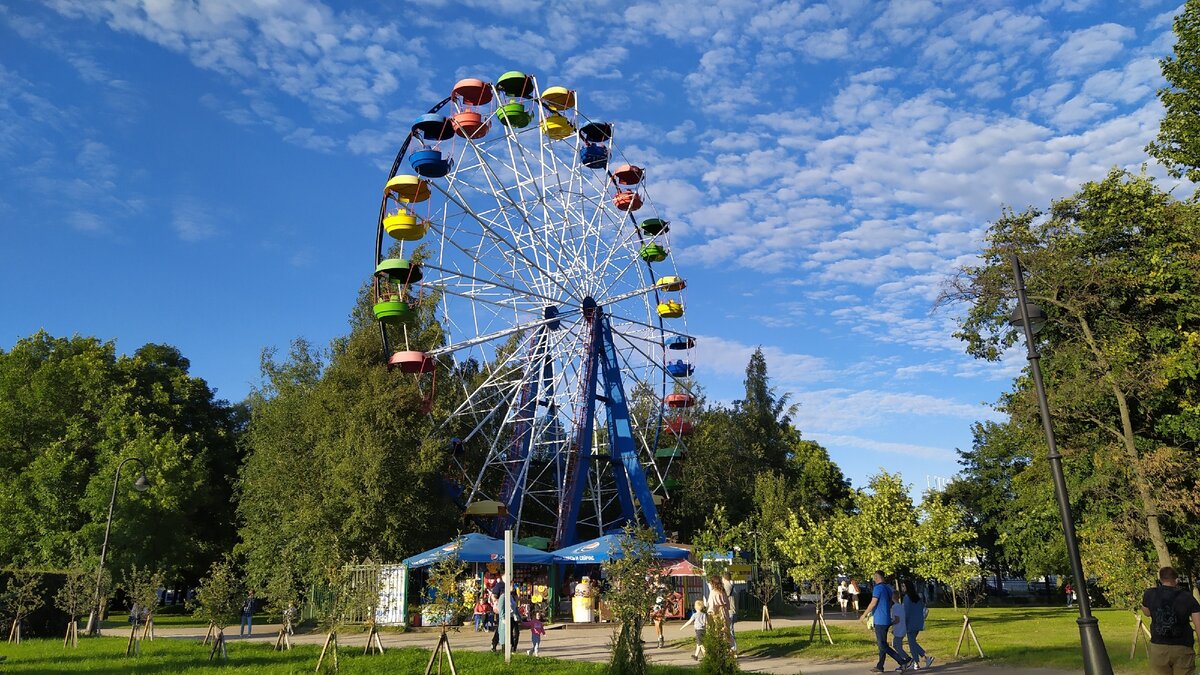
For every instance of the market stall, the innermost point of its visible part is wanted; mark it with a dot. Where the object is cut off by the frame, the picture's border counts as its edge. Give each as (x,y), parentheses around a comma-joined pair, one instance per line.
(589,555)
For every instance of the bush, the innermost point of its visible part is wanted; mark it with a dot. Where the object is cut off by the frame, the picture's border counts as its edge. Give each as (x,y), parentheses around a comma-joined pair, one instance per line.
(718,652)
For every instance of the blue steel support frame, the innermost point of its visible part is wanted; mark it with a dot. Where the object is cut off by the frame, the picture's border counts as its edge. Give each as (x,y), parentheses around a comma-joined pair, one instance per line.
(523,438)
(630,478)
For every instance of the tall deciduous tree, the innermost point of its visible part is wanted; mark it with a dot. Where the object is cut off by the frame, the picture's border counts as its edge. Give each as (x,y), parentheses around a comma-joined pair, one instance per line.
(343,463)
(70,410)
(883,529)
(1117,269)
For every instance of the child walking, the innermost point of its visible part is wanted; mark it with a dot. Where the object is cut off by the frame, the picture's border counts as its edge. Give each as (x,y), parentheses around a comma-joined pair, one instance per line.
(699,620)
(899,627)
(536,630)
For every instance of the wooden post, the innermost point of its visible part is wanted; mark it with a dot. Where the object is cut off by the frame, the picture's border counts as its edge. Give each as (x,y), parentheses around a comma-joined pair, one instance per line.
(148,632)
(133,645)
(766,618)
(373,642)
(330,639)
(218,646)
(442,645)
(209,635)
(968,628)
(1138,631)
(14,633)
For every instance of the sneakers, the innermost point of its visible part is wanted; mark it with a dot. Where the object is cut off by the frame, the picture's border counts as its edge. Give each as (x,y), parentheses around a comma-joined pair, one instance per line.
(928,661)
(877,669)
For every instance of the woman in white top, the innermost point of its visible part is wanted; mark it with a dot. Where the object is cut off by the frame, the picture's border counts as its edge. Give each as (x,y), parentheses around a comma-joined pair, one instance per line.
(852,589)
(843,595)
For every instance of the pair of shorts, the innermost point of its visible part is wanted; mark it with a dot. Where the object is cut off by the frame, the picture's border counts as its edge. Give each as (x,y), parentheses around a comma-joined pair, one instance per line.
(1172,659)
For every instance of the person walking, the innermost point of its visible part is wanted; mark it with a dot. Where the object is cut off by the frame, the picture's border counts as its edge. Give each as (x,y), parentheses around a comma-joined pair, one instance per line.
(880,609)
(1070,591)
(247,626)
(915,612)
(853,591)
(727,586)
(657,614)
(719,606)
(698,620)
(289,618)
(843,595)
(899,626)
(1169,607)
(537,628)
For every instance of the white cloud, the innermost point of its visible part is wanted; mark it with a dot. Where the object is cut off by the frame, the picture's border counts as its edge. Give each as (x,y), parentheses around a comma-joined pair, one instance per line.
(192,222)
(841,441)
(721,356)
(1089,48)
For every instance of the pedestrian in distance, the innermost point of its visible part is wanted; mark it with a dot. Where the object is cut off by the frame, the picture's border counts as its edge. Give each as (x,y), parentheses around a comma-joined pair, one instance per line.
(289,618)
(1170,608)
(1070,591)
(843,595)
(657,614)
(853,591)
(880,610)
(536,630)
(247,626)
(915,612)
(699,621)
(727,586)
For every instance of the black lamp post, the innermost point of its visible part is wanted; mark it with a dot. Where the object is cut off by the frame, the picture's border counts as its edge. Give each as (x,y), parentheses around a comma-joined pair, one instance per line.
(1031,318)
(141,484)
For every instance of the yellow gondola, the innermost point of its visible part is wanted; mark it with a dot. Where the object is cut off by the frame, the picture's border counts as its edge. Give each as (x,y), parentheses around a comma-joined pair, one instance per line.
(405,226)
(559,98)
(670,309)
(558,127)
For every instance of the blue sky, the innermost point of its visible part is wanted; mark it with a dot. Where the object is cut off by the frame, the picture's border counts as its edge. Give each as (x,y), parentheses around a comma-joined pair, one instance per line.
(207,174)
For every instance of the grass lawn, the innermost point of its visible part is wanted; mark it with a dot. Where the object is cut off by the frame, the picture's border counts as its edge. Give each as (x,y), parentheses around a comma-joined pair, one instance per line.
(117,620)
(1045,637)
(106,656)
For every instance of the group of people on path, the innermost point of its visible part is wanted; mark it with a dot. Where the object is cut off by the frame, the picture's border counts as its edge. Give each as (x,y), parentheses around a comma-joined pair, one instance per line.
(718,604)
(489,612)
(902,613)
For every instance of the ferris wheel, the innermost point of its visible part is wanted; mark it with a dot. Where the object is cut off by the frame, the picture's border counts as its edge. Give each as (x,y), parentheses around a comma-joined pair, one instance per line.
(512,223)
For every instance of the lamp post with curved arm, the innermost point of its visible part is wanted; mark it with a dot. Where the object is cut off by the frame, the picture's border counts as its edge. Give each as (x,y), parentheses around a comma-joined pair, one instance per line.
(142,482)
(1030,318)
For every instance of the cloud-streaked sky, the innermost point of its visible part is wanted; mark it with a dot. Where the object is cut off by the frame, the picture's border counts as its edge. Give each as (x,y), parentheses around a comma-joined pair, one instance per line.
(206,173)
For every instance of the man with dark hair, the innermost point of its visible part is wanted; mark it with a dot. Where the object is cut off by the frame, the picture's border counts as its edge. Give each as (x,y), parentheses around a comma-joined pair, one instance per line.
(880,610)
(1170,608)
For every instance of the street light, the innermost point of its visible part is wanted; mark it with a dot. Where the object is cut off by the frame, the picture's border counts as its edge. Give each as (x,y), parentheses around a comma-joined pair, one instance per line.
(141,485)
(1030,318)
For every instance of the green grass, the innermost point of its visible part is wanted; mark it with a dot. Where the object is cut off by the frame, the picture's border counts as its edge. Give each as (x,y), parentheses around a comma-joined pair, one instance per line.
(118,620)
(1045,637)
(105,656)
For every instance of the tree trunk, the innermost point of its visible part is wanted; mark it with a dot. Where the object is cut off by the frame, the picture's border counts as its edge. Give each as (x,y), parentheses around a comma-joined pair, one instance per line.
(1143,485)
(1149,507)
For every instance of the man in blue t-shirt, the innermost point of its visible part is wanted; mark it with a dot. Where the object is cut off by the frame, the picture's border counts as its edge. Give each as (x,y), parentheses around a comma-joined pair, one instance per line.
(880,610)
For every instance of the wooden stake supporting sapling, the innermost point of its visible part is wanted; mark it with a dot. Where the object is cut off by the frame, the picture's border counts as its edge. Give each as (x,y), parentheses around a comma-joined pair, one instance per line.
(819,619)
(968,629)
(22,598)
(219,601)
(1140,631)
(73,599)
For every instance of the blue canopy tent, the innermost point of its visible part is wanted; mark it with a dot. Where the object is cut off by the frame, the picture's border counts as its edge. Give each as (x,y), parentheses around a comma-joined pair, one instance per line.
(480,548)
(608,547)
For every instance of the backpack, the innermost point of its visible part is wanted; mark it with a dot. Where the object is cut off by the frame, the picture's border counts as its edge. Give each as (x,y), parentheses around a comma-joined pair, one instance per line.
(1164,621)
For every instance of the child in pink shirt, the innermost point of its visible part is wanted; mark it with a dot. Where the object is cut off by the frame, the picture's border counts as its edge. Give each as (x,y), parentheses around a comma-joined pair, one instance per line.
(536,630)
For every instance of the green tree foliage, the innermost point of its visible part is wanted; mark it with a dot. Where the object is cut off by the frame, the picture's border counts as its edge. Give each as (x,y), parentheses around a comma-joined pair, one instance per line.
(443,599)
(70,410)
(945,546)
(220,595)
(817,552)
(630,596)
(342,460)
(718,650)
(141,587)
(1177,145)
(883,529)
(1116,267)
(735,446)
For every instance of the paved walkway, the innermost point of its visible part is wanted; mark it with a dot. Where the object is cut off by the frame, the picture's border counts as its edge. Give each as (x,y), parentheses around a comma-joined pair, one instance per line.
(589,642)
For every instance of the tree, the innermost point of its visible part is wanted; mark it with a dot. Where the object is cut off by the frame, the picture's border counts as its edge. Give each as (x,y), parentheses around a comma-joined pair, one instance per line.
(817,554)
(22,597)
(630,596)
(717,539)
(444,600)
(219,602)
(141,587)
(75,597)
(880,533)
(345,598)
(1177,145)
(1116,267)
(945,545)
(72,410)
(342,456)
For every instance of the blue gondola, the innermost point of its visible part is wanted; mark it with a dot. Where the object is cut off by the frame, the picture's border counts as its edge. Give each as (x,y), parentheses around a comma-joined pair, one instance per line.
(680,369)
(430,163)
(593,156)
